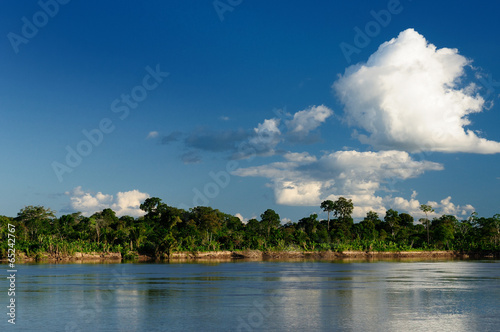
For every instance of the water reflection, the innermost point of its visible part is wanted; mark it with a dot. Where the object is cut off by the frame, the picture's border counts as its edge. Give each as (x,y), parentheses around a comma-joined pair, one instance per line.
(260,296)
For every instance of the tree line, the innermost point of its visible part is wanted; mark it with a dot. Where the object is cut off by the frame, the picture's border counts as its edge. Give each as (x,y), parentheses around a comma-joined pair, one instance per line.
(165,229)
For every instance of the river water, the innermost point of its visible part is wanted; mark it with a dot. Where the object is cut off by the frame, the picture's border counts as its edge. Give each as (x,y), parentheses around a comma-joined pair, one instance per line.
(257,296)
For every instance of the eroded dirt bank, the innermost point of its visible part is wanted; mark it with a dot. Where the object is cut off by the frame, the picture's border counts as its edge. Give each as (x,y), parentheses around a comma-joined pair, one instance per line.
(261,255)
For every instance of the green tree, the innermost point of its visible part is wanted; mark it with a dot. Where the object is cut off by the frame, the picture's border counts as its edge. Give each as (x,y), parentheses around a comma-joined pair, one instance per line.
(372,216)
(153,208)
(137,234)
(36,219)
(102,223)
(343,208)
(328,207)
(4,231)
(366,230)
(269,220)
(426,209)
(405,220)
(4,225)
(392,219)
(161,220)
(444,229)
(463,230)
(406,229)
(309,225)
(209,221)
(495,227)
(368,226)
(64,226)
(490,229)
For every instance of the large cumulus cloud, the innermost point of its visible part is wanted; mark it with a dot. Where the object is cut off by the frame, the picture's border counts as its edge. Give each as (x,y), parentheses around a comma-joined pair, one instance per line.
(409,96)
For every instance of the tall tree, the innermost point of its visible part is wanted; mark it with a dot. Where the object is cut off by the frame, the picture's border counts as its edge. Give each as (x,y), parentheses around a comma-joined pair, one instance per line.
(426,209)
(328,207)
(270,220)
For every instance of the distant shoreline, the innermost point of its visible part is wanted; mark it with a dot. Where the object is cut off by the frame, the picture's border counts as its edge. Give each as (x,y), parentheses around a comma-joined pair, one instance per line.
(260,255)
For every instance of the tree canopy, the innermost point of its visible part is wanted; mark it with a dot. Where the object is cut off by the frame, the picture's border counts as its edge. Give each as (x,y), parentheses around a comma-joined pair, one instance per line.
(164,229)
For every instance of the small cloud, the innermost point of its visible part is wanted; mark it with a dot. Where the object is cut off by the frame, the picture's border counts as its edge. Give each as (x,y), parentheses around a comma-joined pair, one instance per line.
(414,194)
(152,134)
(267,136)
(239,216)
(305,121)
(224,118)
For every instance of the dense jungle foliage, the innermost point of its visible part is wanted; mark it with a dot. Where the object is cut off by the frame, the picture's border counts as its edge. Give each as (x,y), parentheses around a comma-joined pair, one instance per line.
(165,229)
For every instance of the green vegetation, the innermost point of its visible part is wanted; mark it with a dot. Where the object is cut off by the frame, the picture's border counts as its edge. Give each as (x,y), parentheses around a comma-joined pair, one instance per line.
(165,229)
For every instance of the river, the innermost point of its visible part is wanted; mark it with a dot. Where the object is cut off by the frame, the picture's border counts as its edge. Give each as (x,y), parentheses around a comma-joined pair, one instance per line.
(444,295)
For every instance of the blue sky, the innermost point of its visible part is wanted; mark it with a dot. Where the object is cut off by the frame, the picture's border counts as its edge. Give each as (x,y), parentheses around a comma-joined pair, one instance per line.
(250,105)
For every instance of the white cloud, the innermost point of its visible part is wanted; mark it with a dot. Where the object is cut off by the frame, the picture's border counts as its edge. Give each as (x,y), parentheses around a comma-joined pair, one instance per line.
(152,134)
(297,192)
(412,206)
(414,194)
(408,96)
(125,203)
(299,156)
(305,180)
(267,137)
(243,219)
(447,207)
(268,130)
(305,121)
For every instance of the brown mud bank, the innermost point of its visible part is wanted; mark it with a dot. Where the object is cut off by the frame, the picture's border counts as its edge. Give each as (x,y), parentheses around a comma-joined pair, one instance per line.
(328,255)
(76,257)
(258,255)
(332,255)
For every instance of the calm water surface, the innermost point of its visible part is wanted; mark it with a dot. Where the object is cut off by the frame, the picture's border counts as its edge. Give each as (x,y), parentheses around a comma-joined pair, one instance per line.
(257,296)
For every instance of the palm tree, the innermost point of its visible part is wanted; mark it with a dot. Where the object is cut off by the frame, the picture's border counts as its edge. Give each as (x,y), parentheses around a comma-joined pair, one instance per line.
(426,209)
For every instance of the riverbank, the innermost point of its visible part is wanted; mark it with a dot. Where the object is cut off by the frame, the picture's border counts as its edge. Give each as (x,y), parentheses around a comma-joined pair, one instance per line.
(260,255)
